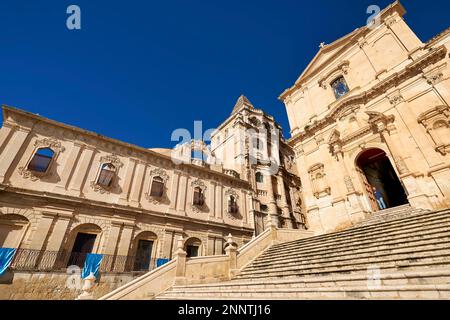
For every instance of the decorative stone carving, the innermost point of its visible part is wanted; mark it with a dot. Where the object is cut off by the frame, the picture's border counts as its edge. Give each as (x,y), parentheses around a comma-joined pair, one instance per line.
(319,182)
(379,121)
(396,98)
(434,78)
(100,189)
(401,165)
(158,172)
(413,69)
(55,146)
(436,122)
(113,159)
(203,187)
(232,192)
(341,69)
(349,184)
(27,174)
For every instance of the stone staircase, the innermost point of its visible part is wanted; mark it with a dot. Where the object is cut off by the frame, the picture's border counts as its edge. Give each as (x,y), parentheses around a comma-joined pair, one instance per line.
(391,214)
(391,255)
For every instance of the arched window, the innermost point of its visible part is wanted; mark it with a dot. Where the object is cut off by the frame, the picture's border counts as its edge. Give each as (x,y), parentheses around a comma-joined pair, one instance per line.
(157,188)
(340,87)
(106,176)
(41,160)
(259,177)
(264,208)
(199,198)
(232,204)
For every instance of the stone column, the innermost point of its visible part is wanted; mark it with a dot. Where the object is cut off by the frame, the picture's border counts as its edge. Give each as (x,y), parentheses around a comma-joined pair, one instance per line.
(166,246)
(113,238)
(128,178)
(272,205)
(286,215)
(180,254)
(59,231)
(219,202)
(124,244)
(42,231)
(5,133)
(182,193)
(212,198)
(81,171)
(11,149)
(68,168)
(137,183)
(174,191)
(231,252)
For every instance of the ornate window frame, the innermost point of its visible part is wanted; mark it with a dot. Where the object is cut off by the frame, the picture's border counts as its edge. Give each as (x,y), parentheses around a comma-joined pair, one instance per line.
(429,118)
(203,187)
(158,172)
(44,143)
(319,181)
(339,71)
(108,159)
(228,193)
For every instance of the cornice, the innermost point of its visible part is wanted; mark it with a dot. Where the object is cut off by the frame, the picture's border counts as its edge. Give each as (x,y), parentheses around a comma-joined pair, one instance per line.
(75,203)
(140,151)
(352,101)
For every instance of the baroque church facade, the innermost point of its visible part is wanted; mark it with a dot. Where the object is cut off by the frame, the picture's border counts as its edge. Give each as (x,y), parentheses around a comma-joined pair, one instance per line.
(370,113)
(372,110)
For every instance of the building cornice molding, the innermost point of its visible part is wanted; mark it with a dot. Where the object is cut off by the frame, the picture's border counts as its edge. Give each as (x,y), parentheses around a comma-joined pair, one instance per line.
(70,201)
(352,101)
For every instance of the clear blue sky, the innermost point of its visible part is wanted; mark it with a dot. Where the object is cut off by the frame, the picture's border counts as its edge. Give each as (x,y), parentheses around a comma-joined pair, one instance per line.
(136,64)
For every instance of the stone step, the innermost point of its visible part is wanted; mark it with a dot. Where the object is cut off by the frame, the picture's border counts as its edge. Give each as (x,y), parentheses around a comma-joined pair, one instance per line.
(390,216)
(408,248)
(377,250)
(397,239)
(436,276)
(426,291)
(439,257)
(355,243)
(370,234)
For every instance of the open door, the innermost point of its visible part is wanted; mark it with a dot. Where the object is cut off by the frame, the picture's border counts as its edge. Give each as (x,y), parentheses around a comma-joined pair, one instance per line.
(368,189)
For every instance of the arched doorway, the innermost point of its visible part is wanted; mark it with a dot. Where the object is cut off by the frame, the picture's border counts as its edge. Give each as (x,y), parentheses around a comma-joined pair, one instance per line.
(83,240)
(143,251)
(192,247)
(12,230)
(376,171)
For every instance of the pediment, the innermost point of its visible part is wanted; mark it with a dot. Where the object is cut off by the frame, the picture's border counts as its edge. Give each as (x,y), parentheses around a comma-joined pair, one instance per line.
(328,52)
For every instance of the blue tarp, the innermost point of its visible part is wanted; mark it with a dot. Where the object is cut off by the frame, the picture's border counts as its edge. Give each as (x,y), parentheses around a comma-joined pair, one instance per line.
(92,264)
(161,261)
(6,257)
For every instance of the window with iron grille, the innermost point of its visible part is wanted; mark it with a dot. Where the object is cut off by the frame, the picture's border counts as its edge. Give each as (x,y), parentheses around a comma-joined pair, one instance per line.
(340,87)
(41,160)
(106,176)
(157,189)
(199,199)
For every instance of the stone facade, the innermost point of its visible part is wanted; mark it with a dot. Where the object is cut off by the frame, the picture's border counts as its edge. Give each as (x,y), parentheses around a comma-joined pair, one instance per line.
(376,92)
(251,143)
(68,198)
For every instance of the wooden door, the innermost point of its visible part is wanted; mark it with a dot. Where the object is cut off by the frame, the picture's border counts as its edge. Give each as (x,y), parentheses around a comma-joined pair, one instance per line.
(368,189)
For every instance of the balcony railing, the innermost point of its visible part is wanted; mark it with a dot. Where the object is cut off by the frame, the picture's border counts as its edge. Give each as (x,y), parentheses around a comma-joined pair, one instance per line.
(40,260)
